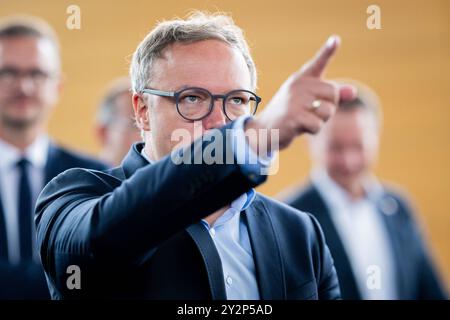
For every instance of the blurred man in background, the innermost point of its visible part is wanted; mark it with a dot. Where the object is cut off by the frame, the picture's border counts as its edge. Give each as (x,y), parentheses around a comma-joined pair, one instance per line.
(370,228)
(116,129)
(30,83)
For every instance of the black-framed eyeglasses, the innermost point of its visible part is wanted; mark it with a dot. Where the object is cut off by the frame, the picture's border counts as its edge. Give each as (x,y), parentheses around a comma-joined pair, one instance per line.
(10,76)
(197,103)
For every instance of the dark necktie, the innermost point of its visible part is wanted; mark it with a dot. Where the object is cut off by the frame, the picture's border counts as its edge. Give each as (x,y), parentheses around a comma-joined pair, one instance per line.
(25,212)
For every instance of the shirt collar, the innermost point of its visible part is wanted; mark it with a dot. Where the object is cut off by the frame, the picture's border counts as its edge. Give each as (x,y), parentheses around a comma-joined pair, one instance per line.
(145,155)
(36,153)
(335,194)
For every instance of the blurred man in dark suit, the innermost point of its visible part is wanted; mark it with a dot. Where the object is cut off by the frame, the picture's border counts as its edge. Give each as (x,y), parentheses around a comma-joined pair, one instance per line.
(160,228)
(29,88)
(116,129)
(370,228)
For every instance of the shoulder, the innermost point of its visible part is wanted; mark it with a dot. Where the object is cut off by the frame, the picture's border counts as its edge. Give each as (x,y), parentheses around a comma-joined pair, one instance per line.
(303,197)
(72,159)
(75,182)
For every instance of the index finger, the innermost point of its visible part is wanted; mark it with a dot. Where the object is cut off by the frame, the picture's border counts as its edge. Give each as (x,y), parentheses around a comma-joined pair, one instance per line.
(316,66)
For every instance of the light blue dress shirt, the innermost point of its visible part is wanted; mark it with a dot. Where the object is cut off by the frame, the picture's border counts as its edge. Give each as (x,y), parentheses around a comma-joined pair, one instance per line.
(36,154)
(230,235)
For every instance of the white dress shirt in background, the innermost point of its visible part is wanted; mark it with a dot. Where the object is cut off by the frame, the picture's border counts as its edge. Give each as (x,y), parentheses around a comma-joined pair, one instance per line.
(36,154)
(363,233)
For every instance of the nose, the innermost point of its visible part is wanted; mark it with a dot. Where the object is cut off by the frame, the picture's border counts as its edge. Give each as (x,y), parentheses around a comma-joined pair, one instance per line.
(351,161)
(216,118)
(26,85)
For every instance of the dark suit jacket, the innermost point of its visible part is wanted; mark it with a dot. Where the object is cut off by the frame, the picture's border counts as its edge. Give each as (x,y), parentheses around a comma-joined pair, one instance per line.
(415,274)
(135,232)
(28,281)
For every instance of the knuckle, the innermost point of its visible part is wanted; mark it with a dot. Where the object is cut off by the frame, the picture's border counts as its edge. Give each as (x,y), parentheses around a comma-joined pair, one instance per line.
(333,90)
(301,80)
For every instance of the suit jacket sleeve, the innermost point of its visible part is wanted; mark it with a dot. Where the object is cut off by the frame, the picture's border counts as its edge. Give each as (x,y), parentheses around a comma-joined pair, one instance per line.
(84,216)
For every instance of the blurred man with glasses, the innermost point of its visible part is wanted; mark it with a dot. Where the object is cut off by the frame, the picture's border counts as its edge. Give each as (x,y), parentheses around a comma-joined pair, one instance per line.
(156,229)
(29,89)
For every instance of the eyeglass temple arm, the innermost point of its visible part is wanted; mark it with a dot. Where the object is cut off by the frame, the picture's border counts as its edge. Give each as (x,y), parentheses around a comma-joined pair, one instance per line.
(159,92)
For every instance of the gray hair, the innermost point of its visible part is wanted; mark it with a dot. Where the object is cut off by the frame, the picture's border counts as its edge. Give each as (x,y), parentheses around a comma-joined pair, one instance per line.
(196,27)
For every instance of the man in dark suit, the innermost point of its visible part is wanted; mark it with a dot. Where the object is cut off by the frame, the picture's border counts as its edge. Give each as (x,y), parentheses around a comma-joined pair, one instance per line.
(166,225)
(29,87)
(370,228)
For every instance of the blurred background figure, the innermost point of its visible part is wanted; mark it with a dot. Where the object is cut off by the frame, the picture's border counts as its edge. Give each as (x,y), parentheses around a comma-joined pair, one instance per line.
(116,129)
(377,246)
(30,83)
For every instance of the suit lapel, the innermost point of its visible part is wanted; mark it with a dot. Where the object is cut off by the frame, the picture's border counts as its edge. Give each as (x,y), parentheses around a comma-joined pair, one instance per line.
(3,243)
(211,259)
(266,253)
(133,160)
(334,242)
(388,208)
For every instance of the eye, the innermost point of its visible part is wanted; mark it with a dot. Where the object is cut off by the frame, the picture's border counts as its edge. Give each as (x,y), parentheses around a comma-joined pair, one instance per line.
(238,100)
(38,74)
(8,73)
(191,99)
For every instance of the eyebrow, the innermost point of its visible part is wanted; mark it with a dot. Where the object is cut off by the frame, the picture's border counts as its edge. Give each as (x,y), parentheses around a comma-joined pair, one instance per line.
(192,86)
(185,86)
